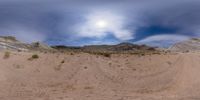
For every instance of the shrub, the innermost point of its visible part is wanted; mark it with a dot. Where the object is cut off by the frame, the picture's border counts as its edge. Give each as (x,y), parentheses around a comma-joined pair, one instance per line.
(103,54)
(63,61)
(106,55)
(142,54)
(186,51)
(158,53)
(6,55)
(88,87)
(71,53)
(35,56)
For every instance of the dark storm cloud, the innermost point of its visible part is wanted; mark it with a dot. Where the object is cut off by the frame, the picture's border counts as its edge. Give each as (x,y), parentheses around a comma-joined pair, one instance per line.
(176,20)
(53,21)
(181,15)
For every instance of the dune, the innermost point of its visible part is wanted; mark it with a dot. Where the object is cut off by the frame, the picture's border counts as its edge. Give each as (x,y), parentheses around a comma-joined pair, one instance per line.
(82,76)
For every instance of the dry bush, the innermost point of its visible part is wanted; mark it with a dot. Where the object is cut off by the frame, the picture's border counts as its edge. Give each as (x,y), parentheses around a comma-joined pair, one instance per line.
(63,61)
(6,55)
(71,53)
(88,87)
(59,67)
(105,54)
(35,56)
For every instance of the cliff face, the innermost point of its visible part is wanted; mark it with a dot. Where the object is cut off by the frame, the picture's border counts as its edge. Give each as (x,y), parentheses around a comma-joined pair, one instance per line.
(189,45)
(11,43)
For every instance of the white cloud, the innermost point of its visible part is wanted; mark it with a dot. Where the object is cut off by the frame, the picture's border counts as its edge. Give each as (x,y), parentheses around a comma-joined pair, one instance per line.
(163,40)
(113,24)
(164,37)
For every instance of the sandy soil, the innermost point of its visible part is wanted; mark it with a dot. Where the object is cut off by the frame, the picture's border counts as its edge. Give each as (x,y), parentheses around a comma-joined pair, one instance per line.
(94,77)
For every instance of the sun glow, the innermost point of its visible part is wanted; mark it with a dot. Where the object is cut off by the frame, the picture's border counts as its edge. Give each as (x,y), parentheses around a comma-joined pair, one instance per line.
(101,24)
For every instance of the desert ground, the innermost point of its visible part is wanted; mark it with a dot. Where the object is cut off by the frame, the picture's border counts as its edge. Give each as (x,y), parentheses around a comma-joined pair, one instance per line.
(83,76)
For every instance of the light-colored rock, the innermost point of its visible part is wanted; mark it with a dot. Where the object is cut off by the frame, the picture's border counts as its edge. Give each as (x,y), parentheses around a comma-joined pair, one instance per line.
(11,43)
(189,45)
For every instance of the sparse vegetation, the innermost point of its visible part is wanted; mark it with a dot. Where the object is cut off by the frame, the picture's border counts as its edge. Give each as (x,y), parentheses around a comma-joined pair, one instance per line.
(108,50)
(17,66)
(70,87)
(10,38)
(157,53)
(34,56)
(71,53)
(186,51)
(85,67)
(6,55)
(57,68)
(105,54)
(63,61)
(142,54)
(88,87)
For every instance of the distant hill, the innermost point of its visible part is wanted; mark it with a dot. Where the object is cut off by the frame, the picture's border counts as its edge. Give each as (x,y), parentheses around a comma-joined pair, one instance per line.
(122,48)
(11,43)
(189,45)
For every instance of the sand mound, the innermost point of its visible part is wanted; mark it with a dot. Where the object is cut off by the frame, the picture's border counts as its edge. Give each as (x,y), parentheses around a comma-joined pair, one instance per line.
(94,77)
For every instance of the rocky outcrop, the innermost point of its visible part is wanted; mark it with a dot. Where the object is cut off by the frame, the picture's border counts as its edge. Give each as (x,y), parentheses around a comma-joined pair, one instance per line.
(189,45)
(11,43)
(39,46)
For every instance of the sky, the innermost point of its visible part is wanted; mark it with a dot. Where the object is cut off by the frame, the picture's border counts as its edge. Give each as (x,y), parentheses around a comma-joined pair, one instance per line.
(91,22)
